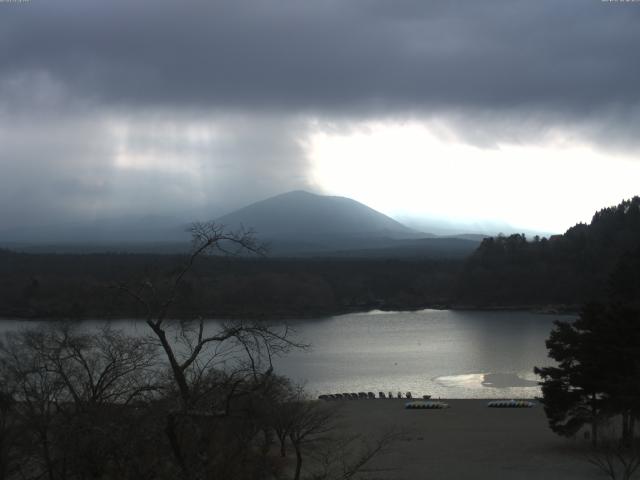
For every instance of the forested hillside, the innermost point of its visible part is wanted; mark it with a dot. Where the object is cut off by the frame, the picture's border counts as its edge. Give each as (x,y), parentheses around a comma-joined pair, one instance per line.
(564,269)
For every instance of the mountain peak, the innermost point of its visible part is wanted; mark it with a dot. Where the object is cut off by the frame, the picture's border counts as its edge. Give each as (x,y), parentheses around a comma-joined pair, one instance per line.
(302,216)
(300,193)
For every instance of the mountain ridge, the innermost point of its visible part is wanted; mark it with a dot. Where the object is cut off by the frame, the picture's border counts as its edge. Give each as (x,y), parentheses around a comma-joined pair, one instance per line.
(318,221)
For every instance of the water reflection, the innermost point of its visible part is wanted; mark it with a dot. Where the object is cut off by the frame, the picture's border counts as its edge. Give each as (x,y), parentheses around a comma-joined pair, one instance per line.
(443,353)
(447,354)
(483,380)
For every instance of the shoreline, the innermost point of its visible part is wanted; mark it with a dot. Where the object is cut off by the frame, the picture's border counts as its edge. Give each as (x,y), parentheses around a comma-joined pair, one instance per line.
(535,309)
(536,400)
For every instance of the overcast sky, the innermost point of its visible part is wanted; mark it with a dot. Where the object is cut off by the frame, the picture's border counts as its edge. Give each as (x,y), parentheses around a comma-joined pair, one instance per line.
(523,112)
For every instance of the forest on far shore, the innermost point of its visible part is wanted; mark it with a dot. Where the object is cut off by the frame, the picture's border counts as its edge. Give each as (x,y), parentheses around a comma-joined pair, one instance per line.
(504,272)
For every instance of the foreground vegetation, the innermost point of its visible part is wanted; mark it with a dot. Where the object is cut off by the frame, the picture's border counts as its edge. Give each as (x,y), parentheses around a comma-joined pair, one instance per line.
(181,402)
(78,405)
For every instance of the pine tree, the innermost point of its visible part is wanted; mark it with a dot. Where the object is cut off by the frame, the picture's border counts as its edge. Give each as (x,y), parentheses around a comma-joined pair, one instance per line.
(598,371)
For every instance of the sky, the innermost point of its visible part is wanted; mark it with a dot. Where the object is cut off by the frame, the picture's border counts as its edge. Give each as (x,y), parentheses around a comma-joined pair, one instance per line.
(499,113)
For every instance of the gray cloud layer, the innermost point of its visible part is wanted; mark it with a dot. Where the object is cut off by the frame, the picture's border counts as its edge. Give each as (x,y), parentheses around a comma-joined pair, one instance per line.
(256,71)
(575,54)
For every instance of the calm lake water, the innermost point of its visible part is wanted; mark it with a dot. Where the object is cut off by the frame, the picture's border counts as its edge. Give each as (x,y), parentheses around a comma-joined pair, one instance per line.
(444,353)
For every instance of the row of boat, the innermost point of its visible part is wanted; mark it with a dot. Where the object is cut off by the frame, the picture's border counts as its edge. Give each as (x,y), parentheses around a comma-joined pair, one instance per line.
(367,395)
(425,405)
(510,404)
(421,404)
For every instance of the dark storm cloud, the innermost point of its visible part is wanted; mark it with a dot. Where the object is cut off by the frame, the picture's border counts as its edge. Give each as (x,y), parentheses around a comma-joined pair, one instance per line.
(572,55)
(74,166)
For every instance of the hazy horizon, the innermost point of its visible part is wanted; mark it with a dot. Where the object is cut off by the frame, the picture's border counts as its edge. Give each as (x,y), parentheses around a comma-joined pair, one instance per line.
(142,228)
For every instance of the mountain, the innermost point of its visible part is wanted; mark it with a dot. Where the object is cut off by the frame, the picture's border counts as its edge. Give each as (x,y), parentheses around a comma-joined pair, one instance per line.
(300,221)
(304,214)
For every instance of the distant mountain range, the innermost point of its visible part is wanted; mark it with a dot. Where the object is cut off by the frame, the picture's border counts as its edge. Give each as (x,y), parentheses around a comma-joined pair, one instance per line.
(296,223)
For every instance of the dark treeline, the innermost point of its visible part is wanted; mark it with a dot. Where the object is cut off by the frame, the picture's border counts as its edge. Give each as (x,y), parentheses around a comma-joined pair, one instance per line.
(505,271)
(568,269)
(595,377)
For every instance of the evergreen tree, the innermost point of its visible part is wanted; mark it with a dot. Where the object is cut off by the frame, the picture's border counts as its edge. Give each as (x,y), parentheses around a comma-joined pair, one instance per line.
(572,391)
(598,371)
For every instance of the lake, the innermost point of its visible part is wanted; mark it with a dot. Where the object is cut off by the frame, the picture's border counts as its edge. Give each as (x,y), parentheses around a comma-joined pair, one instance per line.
(443,353)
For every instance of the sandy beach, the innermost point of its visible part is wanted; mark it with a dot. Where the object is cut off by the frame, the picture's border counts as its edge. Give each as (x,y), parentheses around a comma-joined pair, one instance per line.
(467,441)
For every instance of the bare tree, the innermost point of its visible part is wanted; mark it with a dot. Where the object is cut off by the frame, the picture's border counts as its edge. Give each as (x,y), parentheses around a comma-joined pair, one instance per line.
(344,457)
(309,421)
(618,459)
(8,434)
(282,418)
(314,432)
(194,349)
(103,367)
(229,362)
(71,391)
(40,394)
